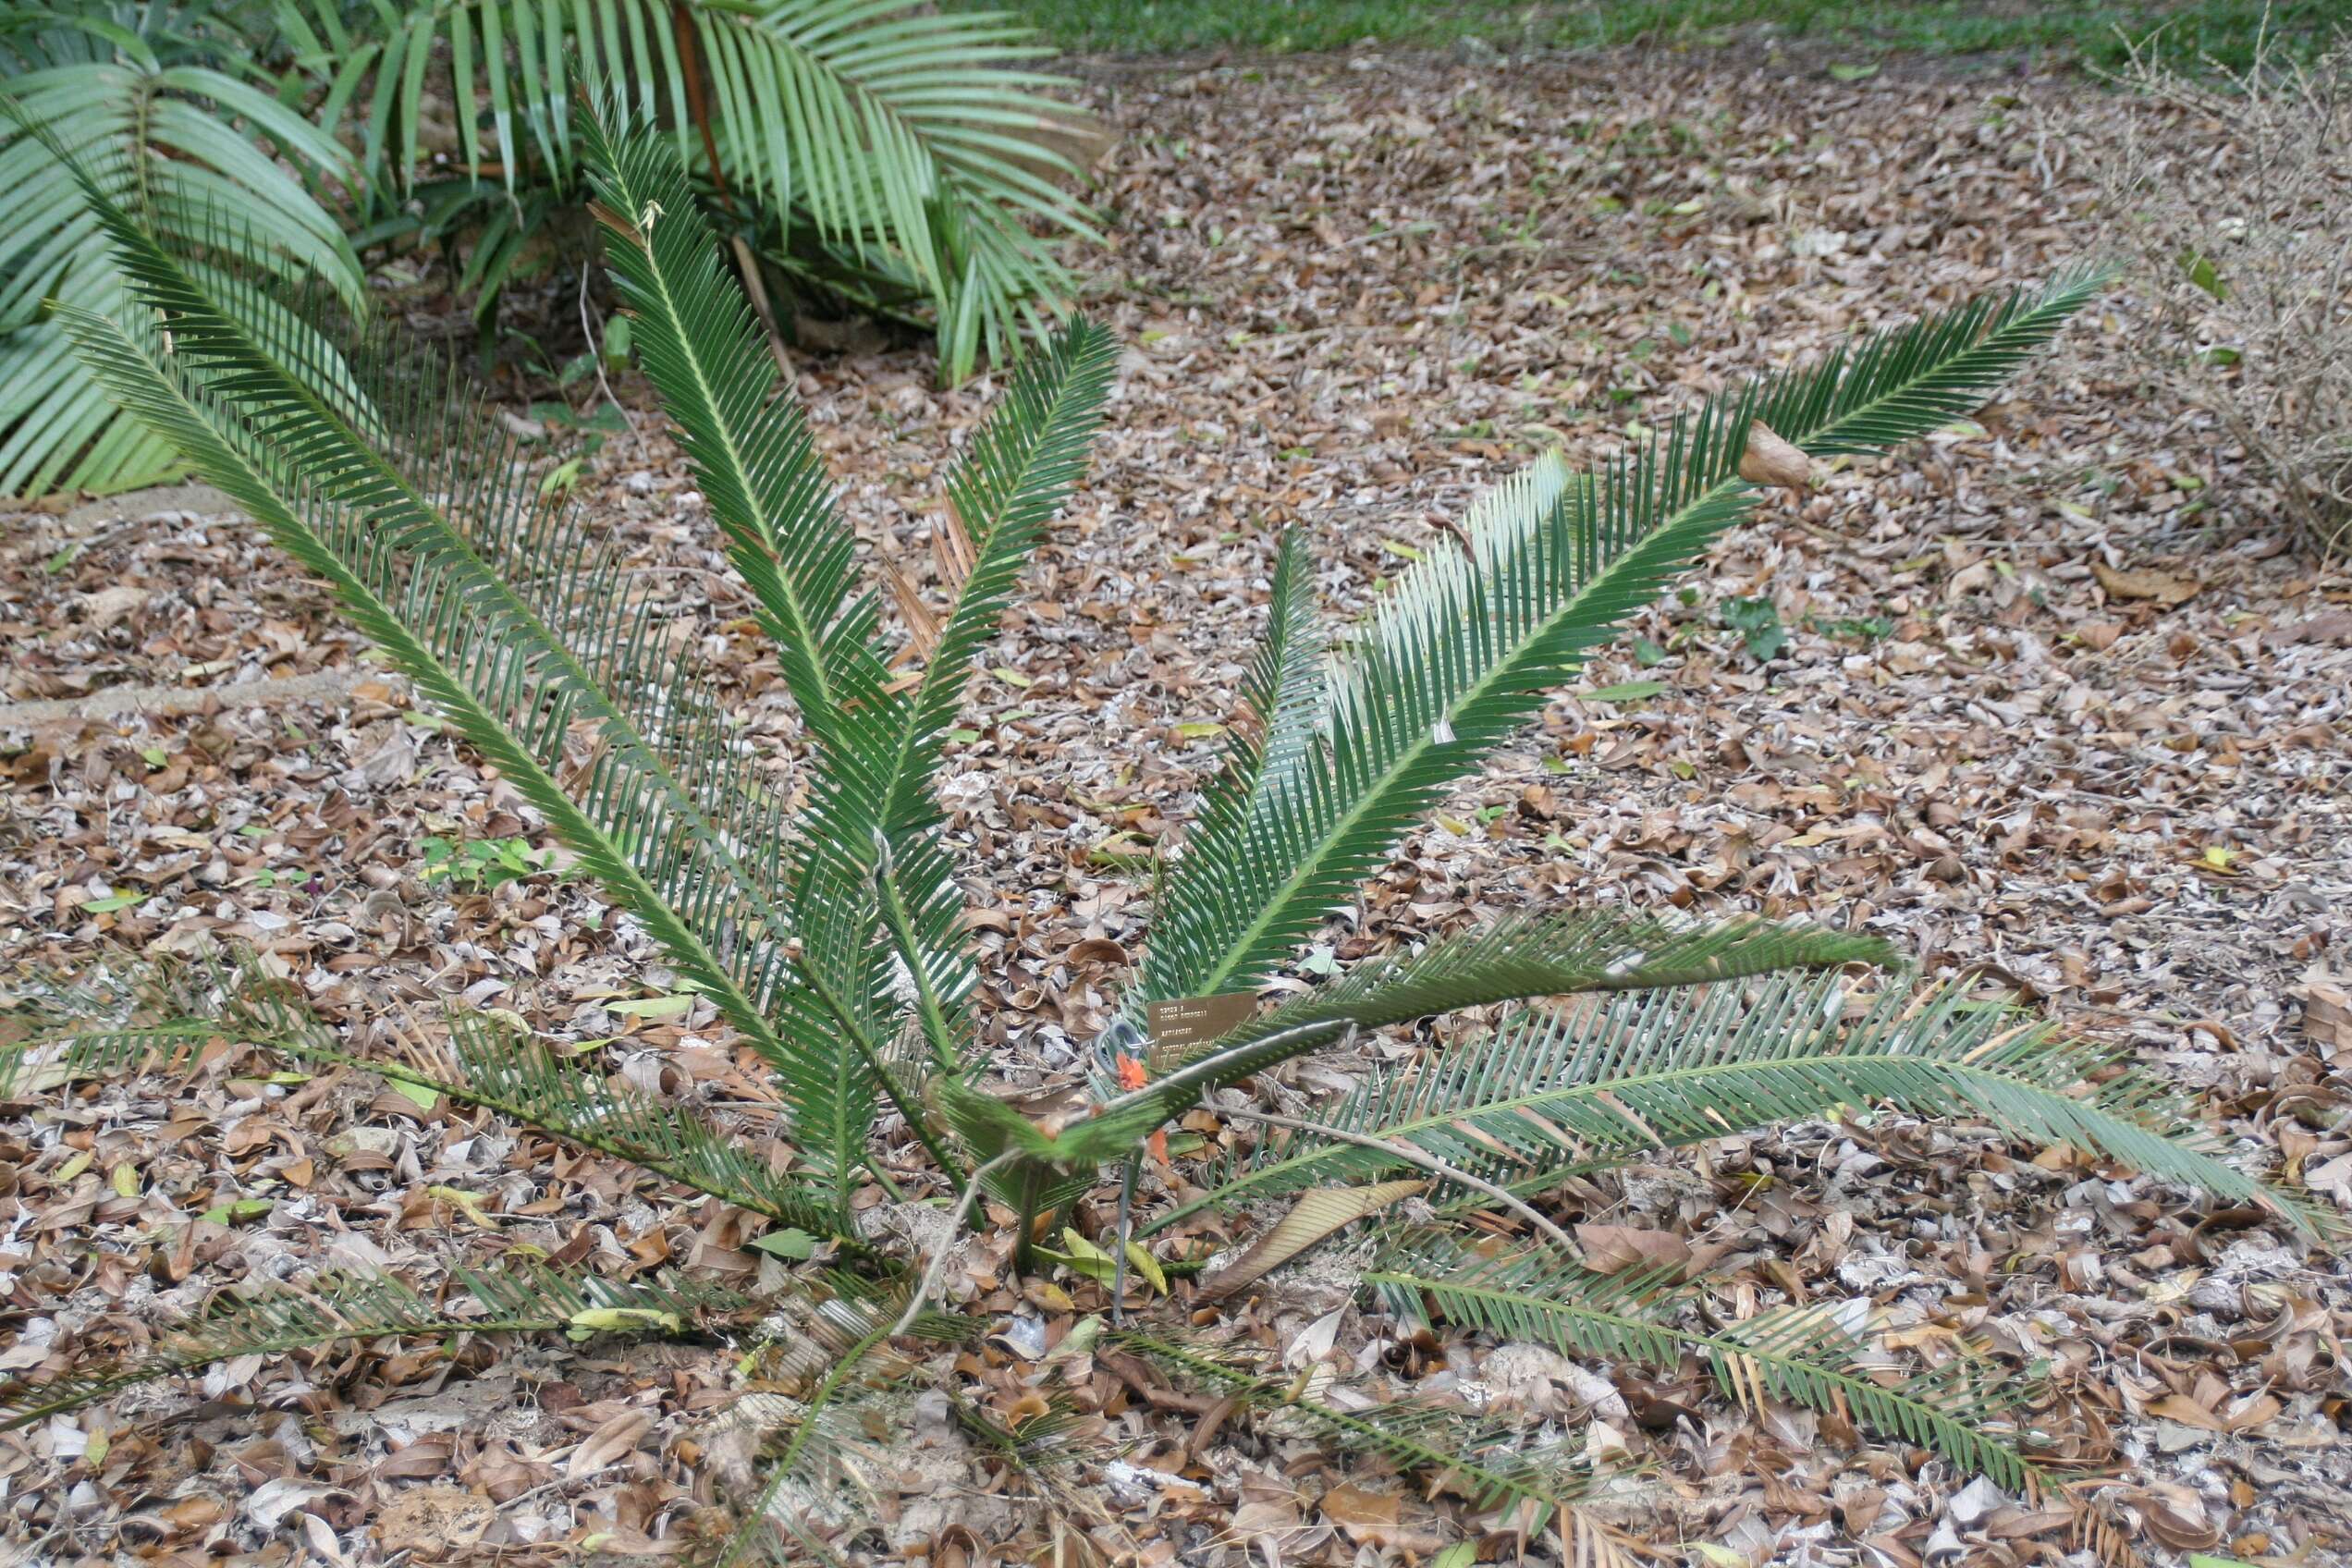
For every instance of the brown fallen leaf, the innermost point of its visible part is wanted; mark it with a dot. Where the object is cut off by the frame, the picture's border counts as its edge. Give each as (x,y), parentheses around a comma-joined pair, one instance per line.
(2165,588)
(1769,460)
(1365,1516)
(2327,1009)
(2188,1411)
(610,1442)
(1612,1249)
(1310,1221)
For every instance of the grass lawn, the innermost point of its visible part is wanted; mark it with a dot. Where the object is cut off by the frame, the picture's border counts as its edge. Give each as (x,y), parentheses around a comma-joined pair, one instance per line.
(2088,34)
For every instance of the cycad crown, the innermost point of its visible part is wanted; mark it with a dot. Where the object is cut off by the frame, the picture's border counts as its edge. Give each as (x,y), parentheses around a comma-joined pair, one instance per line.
(833,950)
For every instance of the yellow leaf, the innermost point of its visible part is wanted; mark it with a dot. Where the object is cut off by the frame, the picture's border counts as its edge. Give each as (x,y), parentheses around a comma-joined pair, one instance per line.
(1310,1221)
(621,1320)
(126,1180)
(465,1203)
(1144,1262)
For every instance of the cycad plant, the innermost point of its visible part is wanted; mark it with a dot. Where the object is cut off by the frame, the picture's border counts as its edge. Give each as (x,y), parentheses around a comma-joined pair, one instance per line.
(895,158)
(831,946)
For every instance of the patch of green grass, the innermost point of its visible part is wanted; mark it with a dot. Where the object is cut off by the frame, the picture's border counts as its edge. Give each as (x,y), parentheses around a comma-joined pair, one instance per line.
(2092,33)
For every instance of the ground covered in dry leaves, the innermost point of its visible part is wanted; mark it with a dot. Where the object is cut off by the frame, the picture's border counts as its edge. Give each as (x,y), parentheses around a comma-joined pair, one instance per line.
(2046,703)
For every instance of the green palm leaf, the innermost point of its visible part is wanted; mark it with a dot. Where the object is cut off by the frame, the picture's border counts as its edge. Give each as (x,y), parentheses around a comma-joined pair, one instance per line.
(1464,649)
(1492,1464)
(174,143)
(1550,1094)
(870,856)
(509,617)
(917,148)
(1808,1357)
(1512,959)
(174,1011)
(329,1311)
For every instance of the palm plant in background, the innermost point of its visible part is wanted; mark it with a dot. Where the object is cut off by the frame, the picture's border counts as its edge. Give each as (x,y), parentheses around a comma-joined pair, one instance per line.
(144,97)
(833,949)
(866,152)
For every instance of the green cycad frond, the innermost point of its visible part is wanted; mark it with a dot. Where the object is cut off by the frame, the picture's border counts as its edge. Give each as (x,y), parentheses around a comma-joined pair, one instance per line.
(765,485)
(172,140)
(104,1025)
(1284,691)
(1492,1466)
(771,497)
(1018,471)
(526,1300)
(1549,1094)
(1807,1355)
(485,1060)
(869,857)
(1508,961)
(913,144)
(507,617)
(833,1352)
(1463,650)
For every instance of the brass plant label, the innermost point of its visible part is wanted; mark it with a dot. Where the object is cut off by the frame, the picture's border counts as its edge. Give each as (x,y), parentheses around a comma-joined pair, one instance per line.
(1195,1021)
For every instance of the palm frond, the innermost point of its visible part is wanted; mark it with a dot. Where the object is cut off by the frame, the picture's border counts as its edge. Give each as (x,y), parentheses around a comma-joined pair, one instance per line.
(1018,472)
(173,142)
(1513,959)
(1485,1463)
(1464,649)
(917,147)
(509,617)
(1284,691)
(529,1299)
(816,1368)
(108,1023)
(1554,1092)
(771,497)
(1814,1356)
(869,857)
(475,1059)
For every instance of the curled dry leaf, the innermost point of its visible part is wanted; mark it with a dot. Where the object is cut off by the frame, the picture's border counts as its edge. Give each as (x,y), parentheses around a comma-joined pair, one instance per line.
(1612,1249)
(2327,1009)
(2165,588)
(1312,1219)
(1769,460)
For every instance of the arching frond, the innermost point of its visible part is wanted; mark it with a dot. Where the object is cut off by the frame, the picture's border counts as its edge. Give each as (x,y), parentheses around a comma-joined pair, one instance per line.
(1465,648)
(329,1311)
(829,1354)
(508,617)
(177,1010)
(916,145)
(1512,959)
(1551,1092)
(176,143)
(1814,1356)
(1487,1462)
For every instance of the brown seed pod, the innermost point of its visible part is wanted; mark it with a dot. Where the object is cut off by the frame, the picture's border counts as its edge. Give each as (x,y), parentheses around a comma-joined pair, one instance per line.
(1770,460)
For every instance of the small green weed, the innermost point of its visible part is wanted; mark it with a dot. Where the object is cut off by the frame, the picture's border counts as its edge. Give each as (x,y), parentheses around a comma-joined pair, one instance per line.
(483,865)
(1758,623)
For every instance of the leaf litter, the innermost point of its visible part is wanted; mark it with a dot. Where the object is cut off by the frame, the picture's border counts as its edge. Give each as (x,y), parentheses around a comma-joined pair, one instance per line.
(2042,700)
